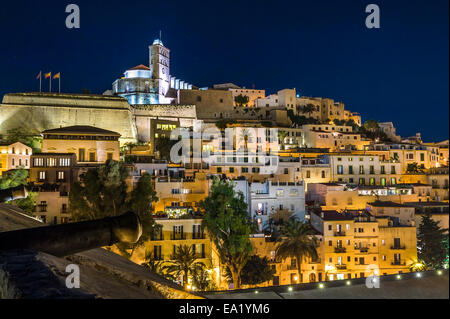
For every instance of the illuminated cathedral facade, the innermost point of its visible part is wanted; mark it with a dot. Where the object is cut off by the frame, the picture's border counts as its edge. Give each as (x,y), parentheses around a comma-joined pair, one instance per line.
(151,84)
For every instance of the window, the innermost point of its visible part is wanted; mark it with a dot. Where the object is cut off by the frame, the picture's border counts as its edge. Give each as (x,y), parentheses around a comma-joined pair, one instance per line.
(308,174)
(175,191)
(323,174)
(383,181)
(392,169)
(350,169)
(393,181)
(383,171)
(199,98)
(61,176)
(109,156)
(361,169)
(81,154)
(286,171)
(231,169)
(372,181)
(91,157)
(244,169)
(340,169)
(362,181)
(219,170)
(42,175)
(372,170)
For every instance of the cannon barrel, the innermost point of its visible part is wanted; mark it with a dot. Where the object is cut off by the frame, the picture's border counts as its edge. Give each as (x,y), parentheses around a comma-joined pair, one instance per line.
(66,239)
(13,193)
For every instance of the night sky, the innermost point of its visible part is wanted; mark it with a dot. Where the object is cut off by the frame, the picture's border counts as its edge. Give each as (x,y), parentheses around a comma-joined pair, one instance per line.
(398,73)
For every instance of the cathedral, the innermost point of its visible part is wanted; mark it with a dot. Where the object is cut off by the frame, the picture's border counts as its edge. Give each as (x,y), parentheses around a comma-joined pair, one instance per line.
(151,84)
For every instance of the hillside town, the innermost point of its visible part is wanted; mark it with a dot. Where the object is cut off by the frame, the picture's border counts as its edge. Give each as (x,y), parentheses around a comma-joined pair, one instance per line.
(236,187)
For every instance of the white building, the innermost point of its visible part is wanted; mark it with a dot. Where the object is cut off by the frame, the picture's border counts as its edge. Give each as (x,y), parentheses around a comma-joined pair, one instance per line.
(269,197)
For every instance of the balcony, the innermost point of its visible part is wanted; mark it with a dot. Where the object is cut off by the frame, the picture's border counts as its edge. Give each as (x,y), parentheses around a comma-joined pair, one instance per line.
(341,266)
(398,263)
(198,236)
(339,233)
(200,255)
(340,249)
(363,249)
(398,247)
(178,236)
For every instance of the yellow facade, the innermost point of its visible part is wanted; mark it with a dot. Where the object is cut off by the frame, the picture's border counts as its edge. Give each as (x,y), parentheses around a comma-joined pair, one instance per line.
(90,144)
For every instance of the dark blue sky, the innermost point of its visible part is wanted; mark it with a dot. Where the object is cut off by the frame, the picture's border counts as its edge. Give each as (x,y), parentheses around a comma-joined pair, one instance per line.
(322,48)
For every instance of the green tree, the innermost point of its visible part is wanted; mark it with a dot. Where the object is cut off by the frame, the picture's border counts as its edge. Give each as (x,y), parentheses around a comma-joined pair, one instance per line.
(157,266)
(27,204)
(371,125)
(14,178)
(308,109)
(432,242)
(163,145)
(241,100)
(256,271)
(297,242)
(184,263)
(29,139)
(228,226)
(201,279)
(141,199)
(100,192)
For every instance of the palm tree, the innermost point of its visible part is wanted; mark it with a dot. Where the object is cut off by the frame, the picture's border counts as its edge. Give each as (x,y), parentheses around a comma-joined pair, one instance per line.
(281,136)
(246,135)
(297,242)
(308,109)
(157,266)
(184,263)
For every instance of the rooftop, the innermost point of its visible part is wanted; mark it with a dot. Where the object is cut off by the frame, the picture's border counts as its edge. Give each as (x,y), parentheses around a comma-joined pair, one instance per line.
(80,129)
(386,204)
(140,67)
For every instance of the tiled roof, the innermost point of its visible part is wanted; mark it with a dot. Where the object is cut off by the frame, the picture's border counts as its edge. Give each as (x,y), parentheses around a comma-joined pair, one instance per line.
(81,129)
(140,67)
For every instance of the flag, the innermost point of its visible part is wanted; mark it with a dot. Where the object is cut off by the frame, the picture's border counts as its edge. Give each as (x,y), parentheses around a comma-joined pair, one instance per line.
(47,75)
(39,75)
(57,75)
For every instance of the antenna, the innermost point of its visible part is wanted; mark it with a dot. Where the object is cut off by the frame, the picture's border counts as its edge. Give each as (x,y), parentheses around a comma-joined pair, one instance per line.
(160,36)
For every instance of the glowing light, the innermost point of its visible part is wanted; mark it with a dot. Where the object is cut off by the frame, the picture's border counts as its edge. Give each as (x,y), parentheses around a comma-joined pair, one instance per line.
(321,286)
(399,277)
(418,275)
(348,282)
(439,272)
(295,278)
(256,291)
(290,289)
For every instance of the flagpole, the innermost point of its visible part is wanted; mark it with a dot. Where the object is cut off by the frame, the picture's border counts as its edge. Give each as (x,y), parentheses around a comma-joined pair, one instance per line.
(40,82)
(59,78)
(50,83)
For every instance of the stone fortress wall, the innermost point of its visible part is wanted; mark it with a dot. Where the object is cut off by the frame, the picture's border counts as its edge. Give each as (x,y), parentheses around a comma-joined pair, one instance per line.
(36,112)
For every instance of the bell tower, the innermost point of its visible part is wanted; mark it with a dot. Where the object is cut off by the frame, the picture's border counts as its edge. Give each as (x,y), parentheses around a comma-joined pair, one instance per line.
(159,63)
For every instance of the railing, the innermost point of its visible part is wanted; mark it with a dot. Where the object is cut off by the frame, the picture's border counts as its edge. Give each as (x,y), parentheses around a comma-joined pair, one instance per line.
(198,236)
(395,247)
(341,266)
(363,249)
(178,236)
(339,233)
(340,249)
(398,263)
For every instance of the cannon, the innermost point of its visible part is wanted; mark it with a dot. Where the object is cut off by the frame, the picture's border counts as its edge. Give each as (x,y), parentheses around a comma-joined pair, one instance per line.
(67,239)
(13,193)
